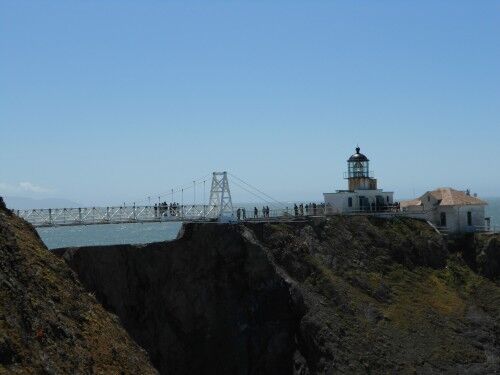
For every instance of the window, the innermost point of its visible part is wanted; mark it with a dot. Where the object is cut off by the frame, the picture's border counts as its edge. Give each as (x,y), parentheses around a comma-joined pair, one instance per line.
(443,219)
(349,202)
(469,218)
(387,199)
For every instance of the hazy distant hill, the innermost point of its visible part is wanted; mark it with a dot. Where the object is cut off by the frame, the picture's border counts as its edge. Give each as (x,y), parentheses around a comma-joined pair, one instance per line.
(21,203)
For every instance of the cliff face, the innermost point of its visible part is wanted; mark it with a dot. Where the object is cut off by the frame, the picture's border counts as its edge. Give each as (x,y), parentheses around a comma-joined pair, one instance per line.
(210,302)
(347,294)
(49,324)
(481,251)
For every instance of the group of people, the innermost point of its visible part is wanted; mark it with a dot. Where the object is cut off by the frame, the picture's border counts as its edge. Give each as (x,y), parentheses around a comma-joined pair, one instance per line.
(309,209)
(172,208)
(241,213)
(265,212)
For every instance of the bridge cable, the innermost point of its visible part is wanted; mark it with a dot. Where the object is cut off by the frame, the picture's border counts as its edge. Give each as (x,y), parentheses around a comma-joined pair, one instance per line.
(261,192)
(261,199)
(177,190)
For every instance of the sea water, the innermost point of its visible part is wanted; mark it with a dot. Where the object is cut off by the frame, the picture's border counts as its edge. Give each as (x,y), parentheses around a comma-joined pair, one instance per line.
(108,234)
(493,210)
(112,234)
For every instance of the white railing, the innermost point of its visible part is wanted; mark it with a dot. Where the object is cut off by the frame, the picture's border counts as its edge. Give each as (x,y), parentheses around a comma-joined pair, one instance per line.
(488,228)
(138,214)
(89,215)
(144,214)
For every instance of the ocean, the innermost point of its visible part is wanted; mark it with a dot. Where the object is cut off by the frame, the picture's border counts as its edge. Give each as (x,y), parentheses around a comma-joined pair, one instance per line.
(108,234)
(493,210)
(113,234)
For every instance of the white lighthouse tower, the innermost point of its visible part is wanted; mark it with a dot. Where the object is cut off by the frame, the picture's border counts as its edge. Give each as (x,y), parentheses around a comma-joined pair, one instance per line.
(362,194)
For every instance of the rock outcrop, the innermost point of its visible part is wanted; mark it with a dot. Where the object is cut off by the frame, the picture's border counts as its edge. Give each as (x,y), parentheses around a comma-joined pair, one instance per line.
(343,295)
(210,302)
(49,324)
(481,251)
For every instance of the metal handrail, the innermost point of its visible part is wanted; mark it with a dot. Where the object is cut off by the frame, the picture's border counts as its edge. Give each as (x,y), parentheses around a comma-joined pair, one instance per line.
(144,214)
(369,174)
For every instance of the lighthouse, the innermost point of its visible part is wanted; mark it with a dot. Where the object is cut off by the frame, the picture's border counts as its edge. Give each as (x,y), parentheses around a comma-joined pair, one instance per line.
(358,172)
(362,194)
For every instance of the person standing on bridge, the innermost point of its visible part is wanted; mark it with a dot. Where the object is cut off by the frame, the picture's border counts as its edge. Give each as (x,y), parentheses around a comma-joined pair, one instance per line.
(244,211)
(255,213)
(238,214)
(296,209)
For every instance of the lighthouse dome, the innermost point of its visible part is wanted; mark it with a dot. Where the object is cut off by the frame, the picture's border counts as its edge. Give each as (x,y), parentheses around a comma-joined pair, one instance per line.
(357,157)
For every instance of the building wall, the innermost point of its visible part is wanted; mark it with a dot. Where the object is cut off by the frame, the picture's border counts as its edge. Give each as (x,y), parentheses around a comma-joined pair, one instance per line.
(362,183)
(456,216)
(338,202)
(428,201)
(414,209)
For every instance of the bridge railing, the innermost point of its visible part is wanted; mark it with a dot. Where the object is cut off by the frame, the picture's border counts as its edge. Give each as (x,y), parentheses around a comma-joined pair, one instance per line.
(205,212)
(89,215)
(132,214)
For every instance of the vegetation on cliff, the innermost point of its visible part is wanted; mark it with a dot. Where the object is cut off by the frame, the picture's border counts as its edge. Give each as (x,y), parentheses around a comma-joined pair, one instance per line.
(48,323)
(342,295)
(385,295)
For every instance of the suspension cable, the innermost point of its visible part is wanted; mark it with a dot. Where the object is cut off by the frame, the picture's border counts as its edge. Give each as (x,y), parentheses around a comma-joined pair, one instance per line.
(171,192)
(261,192)
(261,199)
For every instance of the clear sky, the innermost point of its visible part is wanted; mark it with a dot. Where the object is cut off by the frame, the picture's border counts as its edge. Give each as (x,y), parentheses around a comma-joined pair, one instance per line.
(105,101)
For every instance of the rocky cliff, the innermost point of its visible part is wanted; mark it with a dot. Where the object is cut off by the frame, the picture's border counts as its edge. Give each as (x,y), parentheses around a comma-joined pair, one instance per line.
(343,295)
(49,324)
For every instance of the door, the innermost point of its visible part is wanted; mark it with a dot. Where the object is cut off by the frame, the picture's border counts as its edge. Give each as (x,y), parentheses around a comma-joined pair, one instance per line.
(443,219)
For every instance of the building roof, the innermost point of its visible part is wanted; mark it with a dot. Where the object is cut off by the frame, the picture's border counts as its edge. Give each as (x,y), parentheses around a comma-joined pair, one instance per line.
(358,156)
(413,202)
(447,197)
(452,197)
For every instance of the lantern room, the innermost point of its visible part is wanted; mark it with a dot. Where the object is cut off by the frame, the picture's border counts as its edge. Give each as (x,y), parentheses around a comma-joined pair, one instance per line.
(358,172)
(358,165)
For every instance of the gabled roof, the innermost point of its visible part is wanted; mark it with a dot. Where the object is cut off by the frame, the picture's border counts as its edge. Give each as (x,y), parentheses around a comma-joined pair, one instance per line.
(452,197)
(447,197)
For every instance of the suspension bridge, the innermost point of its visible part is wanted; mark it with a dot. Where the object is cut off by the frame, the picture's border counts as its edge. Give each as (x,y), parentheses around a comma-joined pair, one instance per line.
(218,208)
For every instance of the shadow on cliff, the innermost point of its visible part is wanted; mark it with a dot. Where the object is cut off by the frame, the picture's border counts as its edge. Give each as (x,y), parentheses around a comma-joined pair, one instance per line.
(347,294)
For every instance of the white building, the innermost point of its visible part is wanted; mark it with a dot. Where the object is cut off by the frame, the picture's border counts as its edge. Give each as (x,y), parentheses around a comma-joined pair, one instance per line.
(362,194)
(448,209)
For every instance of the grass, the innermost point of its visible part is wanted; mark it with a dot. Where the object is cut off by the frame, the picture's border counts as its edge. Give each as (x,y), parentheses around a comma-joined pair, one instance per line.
(50,322)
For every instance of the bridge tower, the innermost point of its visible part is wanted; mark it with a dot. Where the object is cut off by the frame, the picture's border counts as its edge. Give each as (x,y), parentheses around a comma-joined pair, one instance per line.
(220,205)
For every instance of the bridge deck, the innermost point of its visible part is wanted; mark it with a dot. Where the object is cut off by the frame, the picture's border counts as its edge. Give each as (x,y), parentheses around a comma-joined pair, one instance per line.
(153,214)
(132,214)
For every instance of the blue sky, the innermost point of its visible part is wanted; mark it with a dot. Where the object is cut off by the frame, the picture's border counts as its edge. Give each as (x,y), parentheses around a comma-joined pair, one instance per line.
(105,101)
